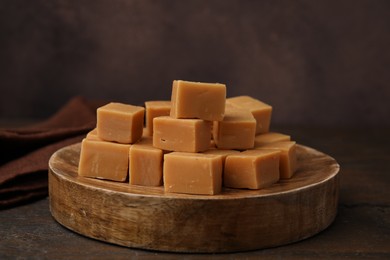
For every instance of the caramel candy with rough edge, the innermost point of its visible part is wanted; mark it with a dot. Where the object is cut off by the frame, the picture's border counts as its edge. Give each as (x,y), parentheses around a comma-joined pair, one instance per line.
(192,173)
(198,100)
(236,130)
(92,135)
(181,135)
(120,123)
(252,169)
(288,157)
(222,153)
(260,110)
(146,164)
(104,160)
(155,109)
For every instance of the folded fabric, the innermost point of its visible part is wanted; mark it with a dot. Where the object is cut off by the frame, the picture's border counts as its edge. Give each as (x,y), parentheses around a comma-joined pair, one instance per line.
(27,150)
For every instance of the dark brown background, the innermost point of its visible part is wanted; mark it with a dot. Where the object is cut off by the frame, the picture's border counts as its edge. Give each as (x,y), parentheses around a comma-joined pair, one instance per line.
(316,62)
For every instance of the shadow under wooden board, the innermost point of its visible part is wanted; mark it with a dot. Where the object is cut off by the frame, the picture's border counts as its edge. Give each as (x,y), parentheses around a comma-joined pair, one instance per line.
(235,220)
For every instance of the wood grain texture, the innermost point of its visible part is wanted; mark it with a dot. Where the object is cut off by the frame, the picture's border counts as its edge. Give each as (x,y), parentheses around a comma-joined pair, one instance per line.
(236,220)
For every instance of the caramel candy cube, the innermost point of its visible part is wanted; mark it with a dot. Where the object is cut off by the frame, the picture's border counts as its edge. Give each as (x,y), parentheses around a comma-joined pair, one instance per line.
(222,153)
(270,137)
(236,130)
(92,135)
(146,164)
(155,109)
(252,169)
(120,123)
(181,135)
(192,173)
(198,100)
(288,157)
(260,110)
(104,160)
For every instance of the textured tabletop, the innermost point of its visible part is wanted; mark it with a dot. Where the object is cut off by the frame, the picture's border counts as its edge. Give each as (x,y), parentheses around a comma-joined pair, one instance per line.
(361,227)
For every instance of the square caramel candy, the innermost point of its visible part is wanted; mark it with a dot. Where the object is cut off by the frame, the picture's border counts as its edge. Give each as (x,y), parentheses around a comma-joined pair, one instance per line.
(92,135)
(236,130)
(198,100)
(270,137)
(221,152)
(252,169)
(192,173)
(260,110)
(104,160)
(181,135)
(120,123)
(146,164)
(155,109)
(288,157)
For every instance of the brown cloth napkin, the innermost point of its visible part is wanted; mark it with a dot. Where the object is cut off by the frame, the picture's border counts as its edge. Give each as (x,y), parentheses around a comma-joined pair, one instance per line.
(26,151)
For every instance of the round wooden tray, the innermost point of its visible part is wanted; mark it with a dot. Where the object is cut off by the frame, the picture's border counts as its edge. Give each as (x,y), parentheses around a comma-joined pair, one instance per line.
(236,220)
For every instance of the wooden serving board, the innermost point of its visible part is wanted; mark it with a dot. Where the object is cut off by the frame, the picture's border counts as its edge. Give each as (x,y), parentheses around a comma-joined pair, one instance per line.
(236,220)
